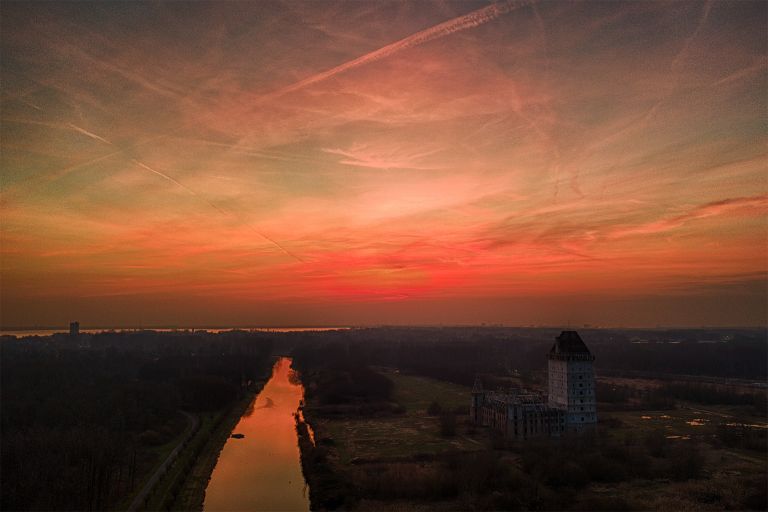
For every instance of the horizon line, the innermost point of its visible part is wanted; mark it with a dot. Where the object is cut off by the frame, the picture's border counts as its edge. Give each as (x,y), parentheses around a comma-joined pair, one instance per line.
(487,325)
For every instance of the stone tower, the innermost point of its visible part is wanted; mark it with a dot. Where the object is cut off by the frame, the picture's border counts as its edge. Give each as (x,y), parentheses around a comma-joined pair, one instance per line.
(477,400)
(572,380)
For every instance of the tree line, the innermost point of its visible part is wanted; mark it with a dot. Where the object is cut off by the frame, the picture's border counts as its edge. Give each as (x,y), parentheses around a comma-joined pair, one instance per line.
(82,424)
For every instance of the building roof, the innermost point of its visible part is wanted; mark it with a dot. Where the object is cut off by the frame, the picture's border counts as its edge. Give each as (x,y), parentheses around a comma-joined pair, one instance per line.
(516,397)
(569,343)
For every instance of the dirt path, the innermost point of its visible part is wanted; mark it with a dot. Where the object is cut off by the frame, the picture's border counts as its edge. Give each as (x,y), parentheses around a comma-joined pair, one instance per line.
(714,413)
(141,497)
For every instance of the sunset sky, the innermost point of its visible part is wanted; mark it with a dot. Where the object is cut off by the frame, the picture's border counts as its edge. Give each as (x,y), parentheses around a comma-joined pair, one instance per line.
(430,162)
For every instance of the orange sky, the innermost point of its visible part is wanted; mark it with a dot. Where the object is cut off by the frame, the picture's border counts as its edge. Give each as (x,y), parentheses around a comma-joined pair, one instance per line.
(392,162)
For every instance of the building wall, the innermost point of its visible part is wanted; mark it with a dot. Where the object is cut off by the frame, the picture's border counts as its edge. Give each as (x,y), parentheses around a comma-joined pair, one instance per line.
(526,421)
(557,372)
(570,405)
(515,419)
(572,388)
(582,408)
(474,408)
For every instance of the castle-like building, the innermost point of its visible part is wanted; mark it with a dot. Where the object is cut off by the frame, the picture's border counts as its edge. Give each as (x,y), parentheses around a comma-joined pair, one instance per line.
(570,406)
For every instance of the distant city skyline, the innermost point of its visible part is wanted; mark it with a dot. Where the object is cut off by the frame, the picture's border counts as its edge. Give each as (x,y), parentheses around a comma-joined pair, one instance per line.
(383,163)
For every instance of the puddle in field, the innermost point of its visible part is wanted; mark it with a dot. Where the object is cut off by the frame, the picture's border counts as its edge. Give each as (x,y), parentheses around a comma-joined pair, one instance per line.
(752,425)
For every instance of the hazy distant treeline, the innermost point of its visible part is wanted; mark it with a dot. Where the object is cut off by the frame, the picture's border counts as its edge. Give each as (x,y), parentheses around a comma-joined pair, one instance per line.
(458,354)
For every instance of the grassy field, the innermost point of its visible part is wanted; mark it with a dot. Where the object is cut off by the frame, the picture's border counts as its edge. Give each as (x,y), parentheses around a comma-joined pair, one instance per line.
(386,446)
(694,423)
(687,420)
(404,435)
(729,474)
(416,393)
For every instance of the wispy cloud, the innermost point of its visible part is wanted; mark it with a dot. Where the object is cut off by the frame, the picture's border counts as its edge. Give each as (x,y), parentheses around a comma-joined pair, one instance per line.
(215,207)
(751,206)
(392,158)
(344,152)
(467,21)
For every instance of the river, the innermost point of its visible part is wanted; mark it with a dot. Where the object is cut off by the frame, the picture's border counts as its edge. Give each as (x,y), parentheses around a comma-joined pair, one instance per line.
(262,471)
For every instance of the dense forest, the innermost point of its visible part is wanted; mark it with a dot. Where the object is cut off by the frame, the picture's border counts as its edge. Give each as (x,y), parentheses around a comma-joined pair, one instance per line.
(459,354)
(83,419)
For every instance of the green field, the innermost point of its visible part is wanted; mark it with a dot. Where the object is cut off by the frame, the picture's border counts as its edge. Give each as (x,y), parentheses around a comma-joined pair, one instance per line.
(416,393)
(411,433)
(382,451)
(694,423)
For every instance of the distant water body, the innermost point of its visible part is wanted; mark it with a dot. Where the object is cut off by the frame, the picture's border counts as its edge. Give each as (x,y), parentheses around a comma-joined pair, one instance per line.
(50,332)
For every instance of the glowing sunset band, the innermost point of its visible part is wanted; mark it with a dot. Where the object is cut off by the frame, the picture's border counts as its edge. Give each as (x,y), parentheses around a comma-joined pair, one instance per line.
(365,163)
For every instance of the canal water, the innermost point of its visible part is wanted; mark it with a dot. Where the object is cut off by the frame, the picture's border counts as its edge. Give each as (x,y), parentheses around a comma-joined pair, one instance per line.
(262,471)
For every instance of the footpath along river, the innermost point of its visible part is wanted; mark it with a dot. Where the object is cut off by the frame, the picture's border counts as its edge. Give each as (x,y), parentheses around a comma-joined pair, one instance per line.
(262,471)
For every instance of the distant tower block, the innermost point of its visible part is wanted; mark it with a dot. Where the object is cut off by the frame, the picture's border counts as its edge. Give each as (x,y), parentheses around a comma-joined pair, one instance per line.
(74,328)
(572,380)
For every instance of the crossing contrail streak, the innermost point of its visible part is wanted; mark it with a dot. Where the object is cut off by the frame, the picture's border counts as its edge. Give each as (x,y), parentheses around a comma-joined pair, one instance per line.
(467,21)
(217,208)
(165,176)
(87,133)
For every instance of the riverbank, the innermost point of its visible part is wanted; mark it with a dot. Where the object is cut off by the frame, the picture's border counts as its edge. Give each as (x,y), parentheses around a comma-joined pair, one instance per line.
(635,460)
(208,444)
(350,443)
(327,488)
(140,501)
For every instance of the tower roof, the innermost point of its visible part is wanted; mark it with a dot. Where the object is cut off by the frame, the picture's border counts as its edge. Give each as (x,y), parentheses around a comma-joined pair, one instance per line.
(569,343)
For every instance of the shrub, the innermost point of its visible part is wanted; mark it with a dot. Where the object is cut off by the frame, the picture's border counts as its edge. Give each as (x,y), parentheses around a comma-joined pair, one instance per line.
(657,443)
(434,409)
(685,462)
(447,424)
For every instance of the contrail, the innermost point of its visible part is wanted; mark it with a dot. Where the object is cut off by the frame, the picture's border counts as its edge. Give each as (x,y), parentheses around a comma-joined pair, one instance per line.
(217,208)
(87,133)
(467,21)
(165,176)
(162,175)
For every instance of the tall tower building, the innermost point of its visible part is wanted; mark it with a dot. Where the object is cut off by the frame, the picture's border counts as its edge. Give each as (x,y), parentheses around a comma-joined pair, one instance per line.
(572,380)
(477,400)
(74,329)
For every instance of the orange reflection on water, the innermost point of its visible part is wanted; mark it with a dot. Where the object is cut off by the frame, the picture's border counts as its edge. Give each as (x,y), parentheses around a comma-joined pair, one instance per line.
(262,471)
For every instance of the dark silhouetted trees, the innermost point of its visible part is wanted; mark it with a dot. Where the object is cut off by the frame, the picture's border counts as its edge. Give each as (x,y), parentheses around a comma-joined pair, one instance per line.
(79,424)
